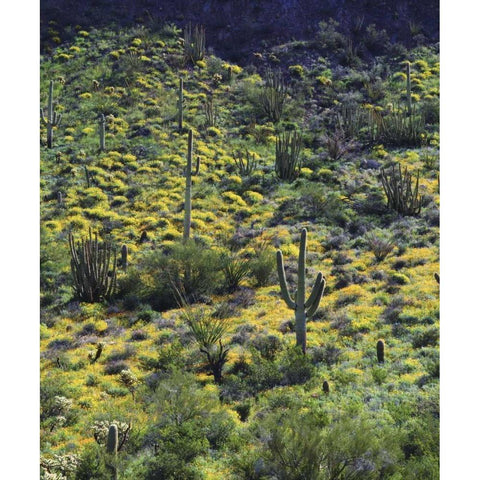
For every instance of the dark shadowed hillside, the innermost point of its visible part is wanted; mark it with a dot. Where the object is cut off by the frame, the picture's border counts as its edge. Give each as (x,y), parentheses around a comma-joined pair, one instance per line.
(238,27)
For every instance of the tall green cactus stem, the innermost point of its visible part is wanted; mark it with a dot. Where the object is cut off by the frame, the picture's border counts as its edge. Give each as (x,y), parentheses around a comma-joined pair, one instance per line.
(101,131)
(112,448)
(380,351)
(124,257)
(52,119)
(303,309)
(180,105)
(188,188)
(409,91)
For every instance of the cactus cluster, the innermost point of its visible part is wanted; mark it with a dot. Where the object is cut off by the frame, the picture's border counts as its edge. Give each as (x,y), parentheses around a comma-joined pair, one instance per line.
(287,155)
(52,119)
(194,43)
(273,95)
(94,274)
(303,308)
(402,196)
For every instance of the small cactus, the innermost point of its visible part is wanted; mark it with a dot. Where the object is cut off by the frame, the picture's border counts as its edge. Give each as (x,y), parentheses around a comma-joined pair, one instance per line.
(52,119)
(101,131)
(437,277)
(326,388)
(380,351)
(112,448)
(112,439)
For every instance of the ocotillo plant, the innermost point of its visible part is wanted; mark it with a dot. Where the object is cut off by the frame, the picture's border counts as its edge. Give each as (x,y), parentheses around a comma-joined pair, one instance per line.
(112,448)
(180,105)
(90,264)
(52,119)
(380,351)
(101,131)
(303,308)
(409,90)
(273,96)
(188,188)
(124,257)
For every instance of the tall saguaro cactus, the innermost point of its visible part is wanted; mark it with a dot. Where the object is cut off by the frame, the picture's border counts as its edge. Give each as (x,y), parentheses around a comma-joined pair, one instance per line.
(52,119)
(112,448)
(101,131)
(180,105)
(304,309)
(409,90)
(188,187)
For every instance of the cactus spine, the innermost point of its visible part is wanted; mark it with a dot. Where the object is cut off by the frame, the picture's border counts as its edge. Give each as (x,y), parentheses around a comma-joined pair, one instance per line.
(52,119)
(101,130)
(188,187)
(112,448)
(303,308)
(409,91)
(380,351)
(180,105)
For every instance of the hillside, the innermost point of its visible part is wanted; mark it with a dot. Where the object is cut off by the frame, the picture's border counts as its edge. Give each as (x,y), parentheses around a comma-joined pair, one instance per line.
(247,403)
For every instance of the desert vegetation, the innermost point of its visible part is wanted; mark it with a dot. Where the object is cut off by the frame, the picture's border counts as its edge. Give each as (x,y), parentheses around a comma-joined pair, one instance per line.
(188,331)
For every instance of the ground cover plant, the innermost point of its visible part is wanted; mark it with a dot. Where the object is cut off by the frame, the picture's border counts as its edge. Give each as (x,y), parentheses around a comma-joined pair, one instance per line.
(173,345)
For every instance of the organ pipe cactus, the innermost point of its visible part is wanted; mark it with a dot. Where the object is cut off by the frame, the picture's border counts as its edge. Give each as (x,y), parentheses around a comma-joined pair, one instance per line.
(101,131)
(188,187)
(401,193)
(52,119)
(304,309)
(90,263)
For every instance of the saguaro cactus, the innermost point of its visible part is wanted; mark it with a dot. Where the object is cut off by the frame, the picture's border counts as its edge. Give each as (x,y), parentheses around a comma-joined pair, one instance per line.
(303,308)
(409,90)
(380,351)
(188,187)
(101,131)
(112,448)
(52,119)
(124,257)
(180,105)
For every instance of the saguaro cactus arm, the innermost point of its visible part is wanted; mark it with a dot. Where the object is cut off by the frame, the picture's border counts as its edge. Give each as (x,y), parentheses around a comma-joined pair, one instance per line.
(317,293)
(283,282)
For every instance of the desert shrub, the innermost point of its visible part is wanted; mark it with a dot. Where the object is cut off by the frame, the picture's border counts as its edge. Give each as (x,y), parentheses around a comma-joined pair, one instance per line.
(115,367)
(326,354)
(356,447)
(267,345)
(188,268)
(262,264)
(138,336)
(426,338)
(235,269)
(93,464)
(117,355)
(380,246)
(295,367)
